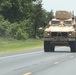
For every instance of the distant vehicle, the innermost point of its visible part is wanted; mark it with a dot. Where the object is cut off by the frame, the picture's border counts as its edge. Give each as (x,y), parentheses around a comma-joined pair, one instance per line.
(60,31)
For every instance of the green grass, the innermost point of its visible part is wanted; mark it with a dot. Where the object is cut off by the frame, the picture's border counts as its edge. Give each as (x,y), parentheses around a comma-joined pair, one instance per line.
(10,45)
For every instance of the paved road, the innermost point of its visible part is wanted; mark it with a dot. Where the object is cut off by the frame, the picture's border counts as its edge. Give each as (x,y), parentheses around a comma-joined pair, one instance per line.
(60,62)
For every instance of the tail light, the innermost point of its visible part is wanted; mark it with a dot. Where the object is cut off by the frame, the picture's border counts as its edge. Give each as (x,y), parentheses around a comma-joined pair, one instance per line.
(47,33)
(71,33)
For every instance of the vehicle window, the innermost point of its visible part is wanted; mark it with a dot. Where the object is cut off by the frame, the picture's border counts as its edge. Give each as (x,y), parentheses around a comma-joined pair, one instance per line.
(55,22)
(67,22)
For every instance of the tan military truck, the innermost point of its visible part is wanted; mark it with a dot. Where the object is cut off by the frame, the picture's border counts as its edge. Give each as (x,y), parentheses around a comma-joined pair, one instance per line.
(60,31)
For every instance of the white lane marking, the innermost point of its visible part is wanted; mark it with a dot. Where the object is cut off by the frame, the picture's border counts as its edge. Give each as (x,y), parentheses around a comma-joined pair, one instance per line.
(20,55)
(23,54)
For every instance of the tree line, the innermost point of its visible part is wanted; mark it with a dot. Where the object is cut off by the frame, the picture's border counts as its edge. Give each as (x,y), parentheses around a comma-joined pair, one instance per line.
(21,19)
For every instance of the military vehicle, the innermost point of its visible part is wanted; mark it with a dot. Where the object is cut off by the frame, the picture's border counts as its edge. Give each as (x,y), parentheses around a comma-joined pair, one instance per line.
(60,31)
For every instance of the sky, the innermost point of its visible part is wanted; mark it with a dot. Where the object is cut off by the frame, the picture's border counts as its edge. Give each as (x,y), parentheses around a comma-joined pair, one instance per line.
(59,5)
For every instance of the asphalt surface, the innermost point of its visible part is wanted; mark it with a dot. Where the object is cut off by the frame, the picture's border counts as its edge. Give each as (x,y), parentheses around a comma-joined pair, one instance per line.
(37,62)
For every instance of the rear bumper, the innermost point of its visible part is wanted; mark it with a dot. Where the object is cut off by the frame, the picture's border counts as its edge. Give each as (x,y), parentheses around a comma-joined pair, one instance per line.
(59,39)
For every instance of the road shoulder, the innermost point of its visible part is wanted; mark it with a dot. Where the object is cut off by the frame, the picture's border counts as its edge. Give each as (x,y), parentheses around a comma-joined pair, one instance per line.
(20,52)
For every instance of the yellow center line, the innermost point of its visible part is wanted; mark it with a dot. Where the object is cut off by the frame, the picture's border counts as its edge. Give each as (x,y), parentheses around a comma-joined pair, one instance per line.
(56,63)
(27,73)
(72,57)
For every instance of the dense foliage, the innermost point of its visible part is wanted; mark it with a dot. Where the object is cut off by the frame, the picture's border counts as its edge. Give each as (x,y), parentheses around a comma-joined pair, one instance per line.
(21,19)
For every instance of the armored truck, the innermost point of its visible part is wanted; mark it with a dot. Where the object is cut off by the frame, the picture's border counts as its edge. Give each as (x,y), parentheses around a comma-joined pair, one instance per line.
(60,31)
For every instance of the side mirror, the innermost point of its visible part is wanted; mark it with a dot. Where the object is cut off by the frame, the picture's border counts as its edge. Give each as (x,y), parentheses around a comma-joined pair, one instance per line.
(73,18)
(40,28)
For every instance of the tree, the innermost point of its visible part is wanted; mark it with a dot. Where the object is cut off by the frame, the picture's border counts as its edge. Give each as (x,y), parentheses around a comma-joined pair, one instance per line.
(38,16)
(15,10)
(22,18)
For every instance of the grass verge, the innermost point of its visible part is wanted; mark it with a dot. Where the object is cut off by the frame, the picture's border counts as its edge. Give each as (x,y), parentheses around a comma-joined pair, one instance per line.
(10,45)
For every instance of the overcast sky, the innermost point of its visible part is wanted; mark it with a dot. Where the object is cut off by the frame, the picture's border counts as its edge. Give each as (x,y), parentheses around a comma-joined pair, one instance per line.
(59,4)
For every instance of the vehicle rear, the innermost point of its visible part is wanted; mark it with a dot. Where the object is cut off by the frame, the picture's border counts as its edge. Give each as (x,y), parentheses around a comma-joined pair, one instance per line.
(60,32)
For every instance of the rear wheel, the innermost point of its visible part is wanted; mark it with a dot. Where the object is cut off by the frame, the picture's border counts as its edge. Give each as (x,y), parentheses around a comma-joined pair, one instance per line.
(52,49)
(73,46)
(48,47)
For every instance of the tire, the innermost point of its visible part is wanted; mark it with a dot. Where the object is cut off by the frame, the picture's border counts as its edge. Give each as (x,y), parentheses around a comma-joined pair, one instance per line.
(48,47)
(52,49)
(73,46)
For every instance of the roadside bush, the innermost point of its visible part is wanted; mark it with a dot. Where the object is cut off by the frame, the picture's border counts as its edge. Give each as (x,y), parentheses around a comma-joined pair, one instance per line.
(12,29)
(17,31)
(21,35)
(3,28)
(1,18)
(27,26)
